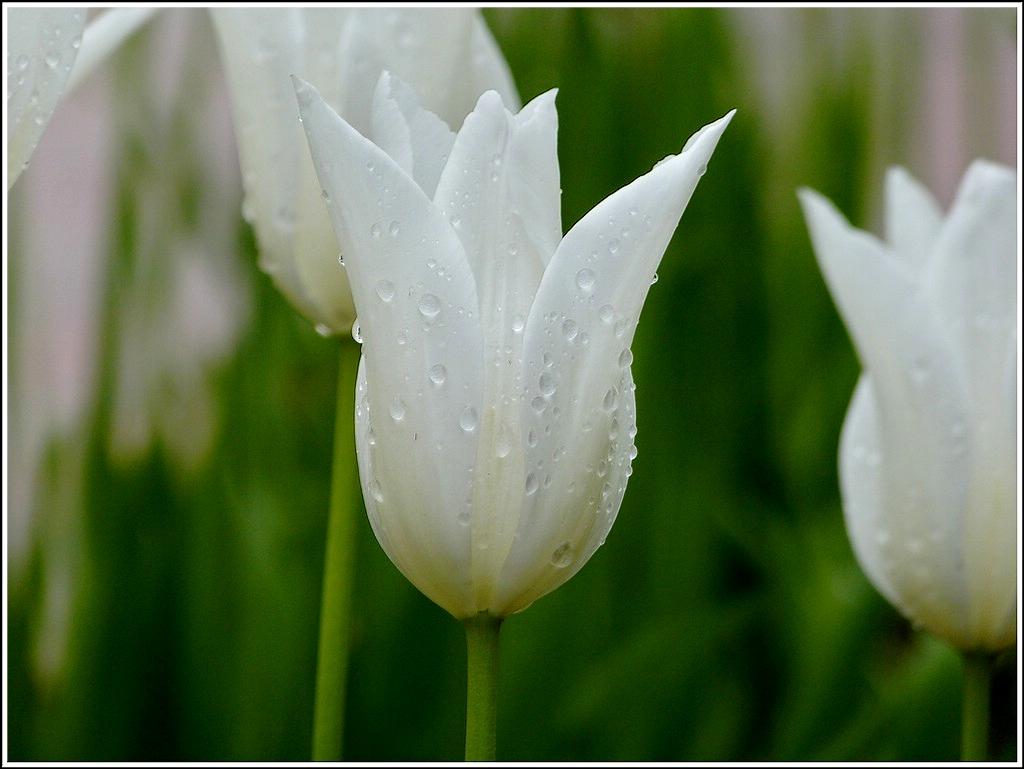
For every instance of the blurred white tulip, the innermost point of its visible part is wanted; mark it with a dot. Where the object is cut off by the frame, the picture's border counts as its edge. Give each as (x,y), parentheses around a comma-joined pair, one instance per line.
(927,457)
(447,54)
(50,51)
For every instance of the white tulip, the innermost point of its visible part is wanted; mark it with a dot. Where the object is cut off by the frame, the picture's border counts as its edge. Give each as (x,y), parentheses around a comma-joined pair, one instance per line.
(495,408)
(927,456)
(447,54)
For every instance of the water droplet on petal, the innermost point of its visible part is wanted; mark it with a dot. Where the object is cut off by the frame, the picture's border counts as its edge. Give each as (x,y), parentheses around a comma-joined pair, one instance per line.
(518,323)
(546,385)
(570,329)
(52,59)
(562,556)
(531,484)
(375,490)
(393,229)
(375,230)
(464,517)
(613,245)
(468,419)
(625,358)
(397,408)
(430,306)
(437,374)
(610,399)
(385,290)
(323,329)
(325,195)
(357,332)
(504,445)
(606,313)
(654,279)
(585,279)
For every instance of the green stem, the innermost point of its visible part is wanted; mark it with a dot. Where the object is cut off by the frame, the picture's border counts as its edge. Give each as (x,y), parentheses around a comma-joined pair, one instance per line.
(977,687)
(481,686)
(336,599)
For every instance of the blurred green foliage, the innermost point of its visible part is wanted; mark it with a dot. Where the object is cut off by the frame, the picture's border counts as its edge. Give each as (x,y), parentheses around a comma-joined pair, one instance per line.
(725,619)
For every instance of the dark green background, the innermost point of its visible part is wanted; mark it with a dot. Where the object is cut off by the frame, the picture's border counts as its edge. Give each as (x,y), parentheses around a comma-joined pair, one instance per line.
(724,619)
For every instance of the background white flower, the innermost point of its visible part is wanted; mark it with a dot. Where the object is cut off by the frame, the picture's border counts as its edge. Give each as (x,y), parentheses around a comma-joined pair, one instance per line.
(928,451)
(447,54)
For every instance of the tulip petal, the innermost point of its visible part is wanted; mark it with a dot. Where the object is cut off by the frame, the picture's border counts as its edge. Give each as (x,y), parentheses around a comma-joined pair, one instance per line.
(437,49)
(43,44)
(576,367)
(422,346)
(262,47)
(912,219)
(418,140)
(922,416)
(500,191)
(973,285)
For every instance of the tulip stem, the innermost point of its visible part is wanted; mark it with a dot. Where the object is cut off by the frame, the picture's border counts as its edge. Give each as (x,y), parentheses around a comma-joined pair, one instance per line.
(482,686)
(977,689)
(336,598)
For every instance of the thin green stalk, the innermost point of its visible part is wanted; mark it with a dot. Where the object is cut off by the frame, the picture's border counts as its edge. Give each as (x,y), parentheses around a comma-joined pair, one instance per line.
(481,686)
(977,689)
(336,600)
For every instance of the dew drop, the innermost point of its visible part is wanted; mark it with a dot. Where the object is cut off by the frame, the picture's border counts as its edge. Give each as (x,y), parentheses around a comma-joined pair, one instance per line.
(547,385)
(430,306)
(464,517)
(52,59)
(654,279)
(613,245)
(375,230)
(468,419)
(437,374)
(325,195)
(518,324)
(357,332)
(323,329)
(562,556)
(538,404)
(341,259)
(21,63)
(625,357)
(570,329)
(504,443)
(455,220)
(397,408)
(393,229)
(385,290)
(585,279)
(531,438)
(375,490)
(610,399)
(606,313)
(531,484)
